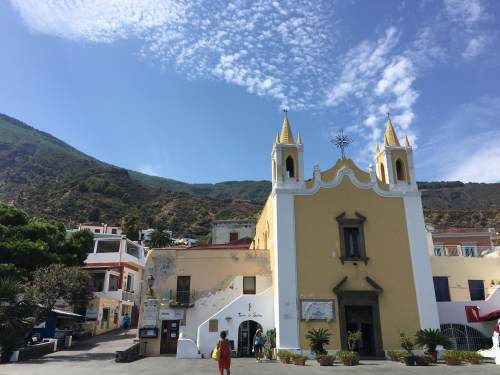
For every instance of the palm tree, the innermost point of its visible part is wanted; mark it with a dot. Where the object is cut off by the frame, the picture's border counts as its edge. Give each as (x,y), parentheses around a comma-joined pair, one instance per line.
(131,225)
(15,312)
(160,237)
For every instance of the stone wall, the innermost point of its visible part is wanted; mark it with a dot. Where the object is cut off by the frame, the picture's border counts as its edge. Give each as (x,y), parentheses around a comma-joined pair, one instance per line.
(80,336)
(35,351)
(129,355)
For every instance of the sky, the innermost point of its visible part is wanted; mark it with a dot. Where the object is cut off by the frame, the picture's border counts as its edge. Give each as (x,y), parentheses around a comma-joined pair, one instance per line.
(195,90)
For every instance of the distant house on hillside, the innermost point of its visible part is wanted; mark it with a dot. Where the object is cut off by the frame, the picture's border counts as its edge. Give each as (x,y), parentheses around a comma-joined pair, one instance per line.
(104,229)
(226,231)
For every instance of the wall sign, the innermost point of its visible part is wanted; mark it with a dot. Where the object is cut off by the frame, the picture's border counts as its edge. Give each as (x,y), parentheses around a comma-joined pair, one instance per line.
(249,315)
(171,314)
(317,309)
(91,314)
(150,317)
(213,325)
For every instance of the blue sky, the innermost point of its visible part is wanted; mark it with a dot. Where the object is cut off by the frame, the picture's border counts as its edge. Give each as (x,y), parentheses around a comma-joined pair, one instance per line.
(194,90)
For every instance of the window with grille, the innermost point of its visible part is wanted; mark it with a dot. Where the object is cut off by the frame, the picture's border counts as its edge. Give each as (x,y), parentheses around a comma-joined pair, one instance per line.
(233,237)
(249,285)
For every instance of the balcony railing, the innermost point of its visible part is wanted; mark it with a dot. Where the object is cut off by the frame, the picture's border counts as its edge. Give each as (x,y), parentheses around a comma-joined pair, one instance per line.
(180,298)
(128,296)
(464,251)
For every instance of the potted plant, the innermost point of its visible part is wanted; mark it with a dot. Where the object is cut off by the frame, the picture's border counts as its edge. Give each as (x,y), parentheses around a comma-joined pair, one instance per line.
(284,356)
(423,360)
(407,345)
(430,339)
(317,340)
(325,359)
(472,357)
(453,358)
(345,356)
(394,354)
(228,319)
(352,341)
(298,359)
(271,335)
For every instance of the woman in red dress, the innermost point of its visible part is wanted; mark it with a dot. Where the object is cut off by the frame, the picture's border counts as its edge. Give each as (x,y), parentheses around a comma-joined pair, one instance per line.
(225,354)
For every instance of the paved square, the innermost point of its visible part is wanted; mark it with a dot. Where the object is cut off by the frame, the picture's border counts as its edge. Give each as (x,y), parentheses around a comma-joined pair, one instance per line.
(96,356)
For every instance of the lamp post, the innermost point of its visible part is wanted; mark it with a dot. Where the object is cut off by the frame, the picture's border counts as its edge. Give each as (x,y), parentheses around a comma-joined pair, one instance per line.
(151,281)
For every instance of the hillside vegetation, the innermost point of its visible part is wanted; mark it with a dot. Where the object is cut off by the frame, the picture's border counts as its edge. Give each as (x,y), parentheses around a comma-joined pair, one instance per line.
(48,178)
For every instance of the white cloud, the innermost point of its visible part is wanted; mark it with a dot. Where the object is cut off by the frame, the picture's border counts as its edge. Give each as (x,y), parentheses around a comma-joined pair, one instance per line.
(482,166)
(149,170)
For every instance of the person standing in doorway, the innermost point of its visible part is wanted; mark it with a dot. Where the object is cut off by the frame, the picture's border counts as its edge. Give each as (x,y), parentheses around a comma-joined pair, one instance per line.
(126,322)
(257,345)
(225,354)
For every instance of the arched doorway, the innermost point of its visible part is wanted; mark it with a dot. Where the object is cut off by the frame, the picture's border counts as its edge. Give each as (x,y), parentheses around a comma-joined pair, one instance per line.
(246,332)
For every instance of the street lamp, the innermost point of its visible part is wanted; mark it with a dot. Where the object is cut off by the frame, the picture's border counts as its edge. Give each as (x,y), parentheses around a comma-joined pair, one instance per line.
(151,281)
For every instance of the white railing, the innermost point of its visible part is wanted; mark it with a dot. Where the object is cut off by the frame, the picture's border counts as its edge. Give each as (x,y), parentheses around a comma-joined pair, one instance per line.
(464,251)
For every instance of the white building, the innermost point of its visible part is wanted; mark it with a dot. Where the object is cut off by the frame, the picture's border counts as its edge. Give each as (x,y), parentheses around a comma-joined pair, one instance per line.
(226,231)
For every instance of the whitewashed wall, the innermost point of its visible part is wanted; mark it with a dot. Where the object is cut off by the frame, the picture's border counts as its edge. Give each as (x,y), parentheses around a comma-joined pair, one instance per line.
(205,307)
(454,312)
(261,311)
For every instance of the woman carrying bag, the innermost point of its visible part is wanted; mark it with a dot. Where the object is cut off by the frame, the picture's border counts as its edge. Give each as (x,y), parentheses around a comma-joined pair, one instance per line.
(225,354)
(257,345)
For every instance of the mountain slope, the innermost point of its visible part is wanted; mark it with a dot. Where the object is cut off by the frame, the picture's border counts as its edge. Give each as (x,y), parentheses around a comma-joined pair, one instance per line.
(49,178)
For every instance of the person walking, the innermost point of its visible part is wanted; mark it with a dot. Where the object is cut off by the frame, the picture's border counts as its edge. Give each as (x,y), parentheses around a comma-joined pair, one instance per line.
(126,322)
(225,354)
(257,345)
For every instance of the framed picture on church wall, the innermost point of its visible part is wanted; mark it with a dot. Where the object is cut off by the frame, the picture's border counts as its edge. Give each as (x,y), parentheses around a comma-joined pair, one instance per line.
(317,310)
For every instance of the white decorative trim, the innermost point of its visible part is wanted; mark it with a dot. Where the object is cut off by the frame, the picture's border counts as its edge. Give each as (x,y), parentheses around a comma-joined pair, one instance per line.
(345,171)
(444,235)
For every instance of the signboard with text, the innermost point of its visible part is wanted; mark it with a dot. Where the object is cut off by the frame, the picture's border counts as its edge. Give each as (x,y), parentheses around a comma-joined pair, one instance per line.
(91,314)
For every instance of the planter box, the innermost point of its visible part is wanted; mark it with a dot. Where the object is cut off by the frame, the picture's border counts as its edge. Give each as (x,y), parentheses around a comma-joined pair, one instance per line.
(346,362)
(394,358)
(355,359)
(409,361)
(325,362)
(299,361)
(473,361)
(285,359)
(453,362)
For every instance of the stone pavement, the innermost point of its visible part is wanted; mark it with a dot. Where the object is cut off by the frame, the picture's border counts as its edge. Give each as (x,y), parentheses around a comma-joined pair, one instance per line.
(96,356)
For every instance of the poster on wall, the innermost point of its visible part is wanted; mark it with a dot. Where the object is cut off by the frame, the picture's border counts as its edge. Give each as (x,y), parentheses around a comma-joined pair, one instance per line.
(150,315)
(317,310)
(91,314)
(171,314)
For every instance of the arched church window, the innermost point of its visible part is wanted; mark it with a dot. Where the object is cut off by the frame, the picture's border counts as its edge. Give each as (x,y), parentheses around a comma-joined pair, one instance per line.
(290,170)
(400,170)
(382,173)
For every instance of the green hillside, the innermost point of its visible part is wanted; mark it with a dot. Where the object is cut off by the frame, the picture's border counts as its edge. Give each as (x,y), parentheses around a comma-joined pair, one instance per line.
(49,178)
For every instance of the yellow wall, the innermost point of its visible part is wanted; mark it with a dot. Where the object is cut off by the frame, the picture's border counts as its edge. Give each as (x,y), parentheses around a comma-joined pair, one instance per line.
(99,302)
(462,269)
(387,246)
(331,174)
(265,224)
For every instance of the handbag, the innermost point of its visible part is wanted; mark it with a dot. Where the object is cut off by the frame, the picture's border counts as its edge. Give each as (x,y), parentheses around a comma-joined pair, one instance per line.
(216,354)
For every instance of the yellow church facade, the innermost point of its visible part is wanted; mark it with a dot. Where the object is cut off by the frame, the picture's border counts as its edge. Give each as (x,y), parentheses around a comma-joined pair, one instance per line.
(348,249)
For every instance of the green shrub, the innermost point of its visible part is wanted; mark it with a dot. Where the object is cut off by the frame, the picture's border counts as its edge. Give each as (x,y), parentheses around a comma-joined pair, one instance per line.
(326,356)
(298,356)
(284,354)
(470,355)
(453,354)
(344,354)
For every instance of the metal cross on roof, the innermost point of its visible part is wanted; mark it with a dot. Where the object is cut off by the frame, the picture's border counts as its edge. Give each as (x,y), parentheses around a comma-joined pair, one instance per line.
(342,141)
(286,112)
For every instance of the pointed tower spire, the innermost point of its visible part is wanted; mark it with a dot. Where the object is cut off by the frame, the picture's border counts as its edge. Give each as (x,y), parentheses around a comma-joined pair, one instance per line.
(377,150)
(407,144)
(392,139)
(286,133)
(299,141)
(386,142)
(277,137)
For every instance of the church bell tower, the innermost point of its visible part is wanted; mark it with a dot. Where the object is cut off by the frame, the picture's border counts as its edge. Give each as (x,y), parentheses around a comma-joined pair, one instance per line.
(395,162)
(288,160)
